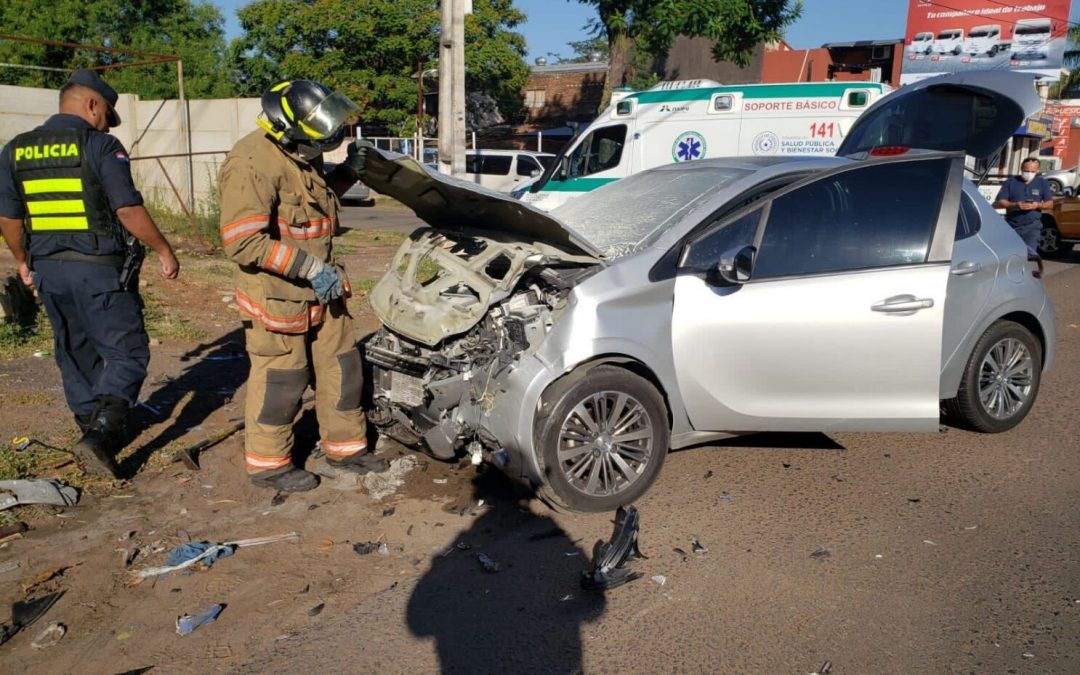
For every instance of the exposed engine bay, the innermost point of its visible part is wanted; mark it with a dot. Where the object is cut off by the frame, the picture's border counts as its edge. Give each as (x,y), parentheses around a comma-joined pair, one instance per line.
(459,309)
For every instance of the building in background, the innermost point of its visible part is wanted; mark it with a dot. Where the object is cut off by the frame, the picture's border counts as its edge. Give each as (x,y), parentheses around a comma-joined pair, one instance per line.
(858,61)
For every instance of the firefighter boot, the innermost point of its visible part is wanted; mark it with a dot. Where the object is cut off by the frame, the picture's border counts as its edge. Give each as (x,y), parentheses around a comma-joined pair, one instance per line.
(289,479)
(103,438)
(361,463)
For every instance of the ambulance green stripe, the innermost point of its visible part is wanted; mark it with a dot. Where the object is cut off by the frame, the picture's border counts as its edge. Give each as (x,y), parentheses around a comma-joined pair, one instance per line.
(822,90)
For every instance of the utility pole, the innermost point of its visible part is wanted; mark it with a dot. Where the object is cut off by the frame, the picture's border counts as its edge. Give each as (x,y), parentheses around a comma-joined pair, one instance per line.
(452,86)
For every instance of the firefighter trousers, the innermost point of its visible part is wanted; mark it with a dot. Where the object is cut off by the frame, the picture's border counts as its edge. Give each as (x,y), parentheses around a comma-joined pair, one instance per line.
(282,367)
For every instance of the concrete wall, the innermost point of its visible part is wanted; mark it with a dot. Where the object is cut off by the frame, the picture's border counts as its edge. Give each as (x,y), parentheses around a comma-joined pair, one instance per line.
(148,129)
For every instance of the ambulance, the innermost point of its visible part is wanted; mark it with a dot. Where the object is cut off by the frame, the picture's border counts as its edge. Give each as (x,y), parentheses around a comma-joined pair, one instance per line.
(686,120)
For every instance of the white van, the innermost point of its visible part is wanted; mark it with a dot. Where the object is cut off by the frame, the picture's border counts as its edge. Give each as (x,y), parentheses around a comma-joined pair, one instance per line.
(504,170)
(949,41)
(684,121)
(921,43)
(1031,39)
(983,40)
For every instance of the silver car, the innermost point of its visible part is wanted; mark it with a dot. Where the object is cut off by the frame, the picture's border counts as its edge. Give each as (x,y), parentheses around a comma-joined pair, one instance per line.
(697,301)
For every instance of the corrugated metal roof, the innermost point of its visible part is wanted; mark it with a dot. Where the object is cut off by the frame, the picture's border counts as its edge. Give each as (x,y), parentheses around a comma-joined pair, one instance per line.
(570,68)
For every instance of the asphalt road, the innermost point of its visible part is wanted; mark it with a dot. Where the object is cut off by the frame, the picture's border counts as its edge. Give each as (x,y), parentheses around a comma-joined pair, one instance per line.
(881,553)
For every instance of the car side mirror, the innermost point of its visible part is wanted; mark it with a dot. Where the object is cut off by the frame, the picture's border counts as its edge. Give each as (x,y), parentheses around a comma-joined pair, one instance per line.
(734,267)
(535,173)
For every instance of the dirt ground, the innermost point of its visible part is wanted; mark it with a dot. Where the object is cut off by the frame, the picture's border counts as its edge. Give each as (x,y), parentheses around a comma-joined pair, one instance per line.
(886,553)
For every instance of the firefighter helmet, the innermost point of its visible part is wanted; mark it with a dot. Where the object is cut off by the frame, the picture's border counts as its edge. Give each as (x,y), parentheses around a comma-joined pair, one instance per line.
(306,115)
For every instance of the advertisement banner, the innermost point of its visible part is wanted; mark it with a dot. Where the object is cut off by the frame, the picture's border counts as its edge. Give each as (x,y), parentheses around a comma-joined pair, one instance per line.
(959,35)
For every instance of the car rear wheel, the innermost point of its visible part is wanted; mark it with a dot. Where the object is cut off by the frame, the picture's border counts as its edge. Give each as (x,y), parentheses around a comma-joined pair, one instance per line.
(1001,379)
(602,439)
(1056,186)
(1050,244)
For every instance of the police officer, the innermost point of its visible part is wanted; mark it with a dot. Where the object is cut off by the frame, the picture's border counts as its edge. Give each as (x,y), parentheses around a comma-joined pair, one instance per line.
(67,208)
(279,210)
(1023,197)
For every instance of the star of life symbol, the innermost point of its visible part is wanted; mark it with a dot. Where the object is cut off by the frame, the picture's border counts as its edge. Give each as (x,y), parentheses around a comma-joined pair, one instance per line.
(688,147)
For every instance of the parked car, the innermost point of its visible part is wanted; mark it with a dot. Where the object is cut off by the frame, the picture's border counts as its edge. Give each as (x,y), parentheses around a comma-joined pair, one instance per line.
(984,40)
(1061,228)
(504,170)
(700,300)
(1062,181)
(357,193)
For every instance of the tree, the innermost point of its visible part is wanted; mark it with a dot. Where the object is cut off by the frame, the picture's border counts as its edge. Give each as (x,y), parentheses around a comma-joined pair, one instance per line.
(736,27)
(584,50)
(193,31)
(375,50)
(1069,85)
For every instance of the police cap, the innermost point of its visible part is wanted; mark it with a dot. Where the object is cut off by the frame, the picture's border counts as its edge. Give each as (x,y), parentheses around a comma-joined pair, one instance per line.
(91,80)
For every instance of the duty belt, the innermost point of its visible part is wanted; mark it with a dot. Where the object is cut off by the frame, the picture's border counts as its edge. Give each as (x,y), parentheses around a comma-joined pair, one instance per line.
(74,256)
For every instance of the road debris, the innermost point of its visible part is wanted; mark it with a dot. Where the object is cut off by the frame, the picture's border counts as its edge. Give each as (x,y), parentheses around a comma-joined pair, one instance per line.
(927,541)
(384,549)
(214,551)
(187,623)
(610,557)
(190,455)
(697,547)
(487,563)
(9,566)
(366,547)
(317,609)
(46,576)
(388,511)
(37,491)
(439,481)
(52,634)
(825,669)
(724,498)
(21,443)
(25,612)
(279,498)
(822,553)
(381,485)
(660,579)
(684,554)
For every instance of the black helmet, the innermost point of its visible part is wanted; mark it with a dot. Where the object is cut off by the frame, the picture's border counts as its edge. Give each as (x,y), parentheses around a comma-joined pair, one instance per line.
(307,115)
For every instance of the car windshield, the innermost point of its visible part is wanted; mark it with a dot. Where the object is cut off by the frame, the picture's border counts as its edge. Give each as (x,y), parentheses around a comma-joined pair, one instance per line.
(623,217)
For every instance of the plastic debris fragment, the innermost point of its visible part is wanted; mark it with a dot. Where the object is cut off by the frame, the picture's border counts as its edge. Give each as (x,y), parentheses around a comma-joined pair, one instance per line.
(487,563)
(189,622)
(610,557)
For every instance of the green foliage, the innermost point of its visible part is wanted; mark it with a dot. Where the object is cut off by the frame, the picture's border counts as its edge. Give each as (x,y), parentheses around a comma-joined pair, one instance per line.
(23,338)
(372,50)
(583,50)
(1069,85)
(193,31)
(735,27)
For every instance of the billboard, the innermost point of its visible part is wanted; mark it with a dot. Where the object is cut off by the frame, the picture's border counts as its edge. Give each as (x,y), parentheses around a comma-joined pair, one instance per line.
(958,35)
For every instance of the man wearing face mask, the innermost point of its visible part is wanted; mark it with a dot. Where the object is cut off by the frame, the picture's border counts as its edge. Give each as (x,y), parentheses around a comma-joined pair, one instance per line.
(278,214)
(71,215)
(1023,197)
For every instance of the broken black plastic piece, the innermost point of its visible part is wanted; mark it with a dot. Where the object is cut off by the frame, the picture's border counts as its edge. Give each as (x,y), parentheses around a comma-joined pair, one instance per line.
(610,557)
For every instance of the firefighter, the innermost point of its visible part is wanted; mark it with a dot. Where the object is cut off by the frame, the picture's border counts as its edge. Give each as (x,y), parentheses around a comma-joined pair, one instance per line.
(70,213)
(278,214)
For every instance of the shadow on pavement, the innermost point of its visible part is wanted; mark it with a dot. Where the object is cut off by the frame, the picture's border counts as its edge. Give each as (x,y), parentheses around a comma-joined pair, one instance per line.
(214,372)
(773,439)
(519,619)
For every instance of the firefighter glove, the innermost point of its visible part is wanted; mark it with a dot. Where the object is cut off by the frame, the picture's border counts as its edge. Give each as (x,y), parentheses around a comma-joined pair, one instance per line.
(327,282)
(357,159)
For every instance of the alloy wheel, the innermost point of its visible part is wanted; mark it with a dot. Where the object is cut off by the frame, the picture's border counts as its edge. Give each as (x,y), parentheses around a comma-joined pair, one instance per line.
(1005,378)
(1049,240)
(605,443)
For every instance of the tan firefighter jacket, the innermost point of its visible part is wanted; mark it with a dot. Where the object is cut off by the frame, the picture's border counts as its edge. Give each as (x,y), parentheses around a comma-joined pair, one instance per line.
(276,210)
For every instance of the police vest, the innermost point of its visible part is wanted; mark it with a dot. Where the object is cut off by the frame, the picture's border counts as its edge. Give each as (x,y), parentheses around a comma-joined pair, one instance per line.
(61,191)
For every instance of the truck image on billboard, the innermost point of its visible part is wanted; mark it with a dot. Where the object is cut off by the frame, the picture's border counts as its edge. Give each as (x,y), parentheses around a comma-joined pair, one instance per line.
(961,35)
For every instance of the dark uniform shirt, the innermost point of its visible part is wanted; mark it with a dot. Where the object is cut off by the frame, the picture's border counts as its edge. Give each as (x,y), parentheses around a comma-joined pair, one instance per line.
(110,163)
(1016,190)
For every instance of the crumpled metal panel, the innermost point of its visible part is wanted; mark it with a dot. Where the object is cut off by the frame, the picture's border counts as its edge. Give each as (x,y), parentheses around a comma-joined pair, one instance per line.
(446,203)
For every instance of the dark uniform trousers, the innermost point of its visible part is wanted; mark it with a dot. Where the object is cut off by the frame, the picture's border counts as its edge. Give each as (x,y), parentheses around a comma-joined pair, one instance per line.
(100,343)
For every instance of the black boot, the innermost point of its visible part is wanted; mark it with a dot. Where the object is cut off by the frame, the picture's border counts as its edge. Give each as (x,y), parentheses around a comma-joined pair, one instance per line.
(361,463)
(84,422)
(103,438)
(289,479)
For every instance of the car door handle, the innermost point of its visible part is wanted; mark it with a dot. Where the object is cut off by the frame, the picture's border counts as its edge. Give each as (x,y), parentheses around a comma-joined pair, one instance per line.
(902,304)
(966,268)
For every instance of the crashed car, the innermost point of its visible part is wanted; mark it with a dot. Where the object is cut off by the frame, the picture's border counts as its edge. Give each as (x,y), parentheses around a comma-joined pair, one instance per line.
(717,297)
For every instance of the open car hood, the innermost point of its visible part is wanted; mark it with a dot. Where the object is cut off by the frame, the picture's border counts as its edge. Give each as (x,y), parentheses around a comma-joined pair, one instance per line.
(450,203)
(975,113)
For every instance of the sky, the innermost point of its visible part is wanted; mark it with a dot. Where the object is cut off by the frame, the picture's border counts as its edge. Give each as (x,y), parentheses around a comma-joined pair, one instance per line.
(552,24)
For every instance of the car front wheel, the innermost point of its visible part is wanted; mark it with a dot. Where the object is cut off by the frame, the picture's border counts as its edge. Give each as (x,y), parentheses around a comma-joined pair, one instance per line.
(1001,379)
(602,438)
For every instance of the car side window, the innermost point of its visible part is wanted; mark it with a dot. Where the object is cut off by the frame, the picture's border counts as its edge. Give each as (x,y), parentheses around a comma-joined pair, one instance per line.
(599,151)
(473,163)
(871,216)
(526,165)
(968,220)
(707,251)
(496,165)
